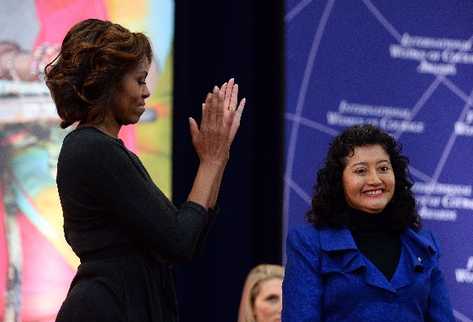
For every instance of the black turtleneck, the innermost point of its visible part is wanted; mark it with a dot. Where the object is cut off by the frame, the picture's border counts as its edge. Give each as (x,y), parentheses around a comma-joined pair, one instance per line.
(376,240)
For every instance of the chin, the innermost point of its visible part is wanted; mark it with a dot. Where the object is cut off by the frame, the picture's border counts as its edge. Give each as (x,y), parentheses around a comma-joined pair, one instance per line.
(131,120)
(134,121)
(375,210)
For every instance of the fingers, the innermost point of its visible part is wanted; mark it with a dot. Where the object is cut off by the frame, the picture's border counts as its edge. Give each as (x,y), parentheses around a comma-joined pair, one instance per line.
(214,107)
(206,111)
(234,97)
(220,107)
(223,89)
(213,110)
(194,128)
(235,121)
(239,112)
(241,107)
(228,93)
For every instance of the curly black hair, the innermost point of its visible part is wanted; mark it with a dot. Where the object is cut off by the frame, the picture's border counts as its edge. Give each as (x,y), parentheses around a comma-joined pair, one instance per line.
(329,205)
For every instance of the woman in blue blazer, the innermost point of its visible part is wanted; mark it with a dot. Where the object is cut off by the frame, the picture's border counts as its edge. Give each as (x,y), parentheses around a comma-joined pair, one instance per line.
(363,256)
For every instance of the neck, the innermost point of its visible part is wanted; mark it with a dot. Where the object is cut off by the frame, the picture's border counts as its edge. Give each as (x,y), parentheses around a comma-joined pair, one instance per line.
(108,126)
(360,220)
(109,129)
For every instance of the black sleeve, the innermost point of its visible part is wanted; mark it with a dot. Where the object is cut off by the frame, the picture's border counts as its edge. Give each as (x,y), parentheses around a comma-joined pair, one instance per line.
(175,234)
(212,214)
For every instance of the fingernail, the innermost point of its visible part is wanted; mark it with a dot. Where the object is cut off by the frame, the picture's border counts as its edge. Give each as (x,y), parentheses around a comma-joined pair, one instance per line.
(215,88)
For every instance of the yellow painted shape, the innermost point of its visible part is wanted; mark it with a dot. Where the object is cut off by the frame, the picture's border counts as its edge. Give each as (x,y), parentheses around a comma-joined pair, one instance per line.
(48,206)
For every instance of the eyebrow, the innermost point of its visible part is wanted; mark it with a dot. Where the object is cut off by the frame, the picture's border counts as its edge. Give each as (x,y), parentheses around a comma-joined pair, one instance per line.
(365,163)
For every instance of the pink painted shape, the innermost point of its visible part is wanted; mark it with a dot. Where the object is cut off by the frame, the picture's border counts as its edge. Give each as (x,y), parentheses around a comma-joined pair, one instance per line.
(3,256)
(128,135)
(56,17)
(46,275)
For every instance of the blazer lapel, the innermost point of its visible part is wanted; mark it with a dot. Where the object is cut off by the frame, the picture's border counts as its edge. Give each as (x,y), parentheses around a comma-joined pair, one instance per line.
(340,254)
(417,255)
(339,251)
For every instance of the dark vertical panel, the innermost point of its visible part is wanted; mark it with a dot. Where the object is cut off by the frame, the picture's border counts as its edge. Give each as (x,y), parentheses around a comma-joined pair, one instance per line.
(213,42)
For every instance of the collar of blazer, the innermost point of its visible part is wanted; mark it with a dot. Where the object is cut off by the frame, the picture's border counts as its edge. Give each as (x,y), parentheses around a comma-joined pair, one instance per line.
(339,254)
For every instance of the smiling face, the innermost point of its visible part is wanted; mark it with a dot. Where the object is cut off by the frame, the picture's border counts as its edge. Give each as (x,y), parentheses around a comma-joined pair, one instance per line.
(368,179)
(268,302)
(131,95)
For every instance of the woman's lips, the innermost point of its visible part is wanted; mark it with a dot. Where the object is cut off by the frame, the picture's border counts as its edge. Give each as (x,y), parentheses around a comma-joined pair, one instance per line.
(374,193)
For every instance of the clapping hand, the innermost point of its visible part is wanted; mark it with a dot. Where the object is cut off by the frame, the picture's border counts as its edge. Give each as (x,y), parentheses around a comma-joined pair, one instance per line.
(230,92)
(220,122)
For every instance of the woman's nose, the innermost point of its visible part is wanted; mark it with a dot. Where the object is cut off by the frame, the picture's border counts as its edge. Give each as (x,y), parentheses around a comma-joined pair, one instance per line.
(146,93)
(373,178)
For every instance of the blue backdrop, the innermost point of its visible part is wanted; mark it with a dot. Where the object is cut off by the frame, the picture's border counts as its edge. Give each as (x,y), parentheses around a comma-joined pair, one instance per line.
(406,66)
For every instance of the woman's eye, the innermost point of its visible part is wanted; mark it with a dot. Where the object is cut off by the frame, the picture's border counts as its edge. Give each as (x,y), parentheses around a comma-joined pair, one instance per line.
(384,169)
(360,171)
(272,299)
(142,82)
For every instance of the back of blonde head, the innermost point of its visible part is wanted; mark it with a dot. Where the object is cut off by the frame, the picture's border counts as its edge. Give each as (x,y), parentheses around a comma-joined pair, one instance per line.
(253,281)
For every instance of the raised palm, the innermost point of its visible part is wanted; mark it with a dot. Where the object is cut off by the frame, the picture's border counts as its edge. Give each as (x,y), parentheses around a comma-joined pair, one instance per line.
(220,123)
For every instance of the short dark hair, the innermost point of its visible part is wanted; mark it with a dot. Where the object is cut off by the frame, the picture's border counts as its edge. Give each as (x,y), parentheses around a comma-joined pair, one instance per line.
(328,203)
(94,57)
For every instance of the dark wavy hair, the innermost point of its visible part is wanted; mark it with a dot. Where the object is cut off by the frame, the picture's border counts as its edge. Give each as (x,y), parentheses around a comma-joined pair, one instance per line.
(329,205)
(94,57)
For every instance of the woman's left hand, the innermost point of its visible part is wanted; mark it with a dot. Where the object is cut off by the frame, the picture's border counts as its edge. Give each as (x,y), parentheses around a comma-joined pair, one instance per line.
(230,92)
(219,125)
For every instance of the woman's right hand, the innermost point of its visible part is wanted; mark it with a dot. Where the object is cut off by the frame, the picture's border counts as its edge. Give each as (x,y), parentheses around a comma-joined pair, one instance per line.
(219,125)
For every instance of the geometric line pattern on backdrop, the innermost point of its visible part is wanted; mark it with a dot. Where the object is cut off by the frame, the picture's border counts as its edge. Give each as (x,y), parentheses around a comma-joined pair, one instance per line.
(301,100)
(297,119)
(296,10)
(461,317)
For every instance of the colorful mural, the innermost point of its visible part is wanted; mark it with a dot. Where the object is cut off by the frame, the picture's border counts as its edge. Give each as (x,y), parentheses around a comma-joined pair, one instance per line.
(36,264)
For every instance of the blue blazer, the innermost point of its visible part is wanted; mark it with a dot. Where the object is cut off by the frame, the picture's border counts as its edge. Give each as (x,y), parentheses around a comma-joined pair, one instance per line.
(328,279)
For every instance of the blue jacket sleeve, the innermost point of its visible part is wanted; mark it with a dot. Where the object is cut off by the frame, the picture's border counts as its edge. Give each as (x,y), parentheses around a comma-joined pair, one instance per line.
(440,309)
(302,285)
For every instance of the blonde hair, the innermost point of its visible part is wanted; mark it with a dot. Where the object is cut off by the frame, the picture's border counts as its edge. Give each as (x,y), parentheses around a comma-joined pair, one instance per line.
(257,275)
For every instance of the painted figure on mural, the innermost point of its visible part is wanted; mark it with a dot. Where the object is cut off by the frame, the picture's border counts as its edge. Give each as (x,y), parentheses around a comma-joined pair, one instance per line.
(364,255)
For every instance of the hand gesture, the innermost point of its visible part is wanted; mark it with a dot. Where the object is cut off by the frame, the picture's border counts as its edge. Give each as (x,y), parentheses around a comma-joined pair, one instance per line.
(220,122)
(230,92)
